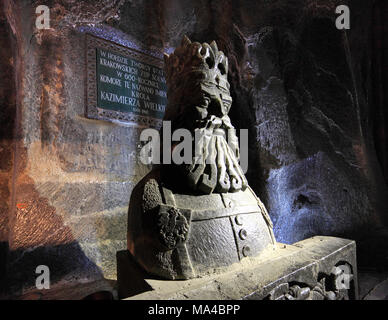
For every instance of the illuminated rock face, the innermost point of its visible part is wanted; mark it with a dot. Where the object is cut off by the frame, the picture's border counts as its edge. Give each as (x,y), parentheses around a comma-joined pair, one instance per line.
(189,220)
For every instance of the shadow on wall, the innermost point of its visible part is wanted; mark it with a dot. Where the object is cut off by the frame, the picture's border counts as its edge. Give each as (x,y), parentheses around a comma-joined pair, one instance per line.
(67,264)
(39,236)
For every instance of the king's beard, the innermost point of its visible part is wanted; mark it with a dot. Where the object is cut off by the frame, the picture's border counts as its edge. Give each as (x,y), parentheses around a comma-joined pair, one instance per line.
(215,166)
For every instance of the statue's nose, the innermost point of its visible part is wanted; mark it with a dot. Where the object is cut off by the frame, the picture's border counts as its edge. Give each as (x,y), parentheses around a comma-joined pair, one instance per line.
(215,107)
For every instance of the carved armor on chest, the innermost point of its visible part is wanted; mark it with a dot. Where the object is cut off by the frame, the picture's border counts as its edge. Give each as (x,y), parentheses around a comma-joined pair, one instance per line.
(180,236)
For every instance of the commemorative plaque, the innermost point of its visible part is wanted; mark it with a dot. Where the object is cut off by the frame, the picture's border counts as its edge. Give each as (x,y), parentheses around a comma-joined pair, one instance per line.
(124,84)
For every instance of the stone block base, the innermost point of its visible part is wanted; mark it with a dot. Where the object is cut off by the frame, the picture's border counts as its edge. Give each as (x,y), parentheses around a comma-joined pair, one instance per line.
(314,269)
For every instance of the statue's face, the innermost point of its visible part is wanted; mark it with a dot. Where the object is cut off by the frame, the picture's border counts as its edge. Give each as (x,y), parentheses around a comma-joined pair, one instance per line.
(215,166)
(216,100)
(208,99)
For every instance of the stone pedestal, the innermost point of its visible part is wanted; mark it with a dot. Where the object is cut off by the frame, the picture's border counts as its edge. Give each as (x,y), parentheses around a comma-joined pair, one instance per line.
(314,269)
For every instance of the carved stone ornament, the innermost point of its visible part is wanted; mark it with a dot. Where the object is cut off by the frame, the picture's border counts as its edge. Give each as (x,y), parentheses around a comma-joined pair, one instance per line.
(190,220)
(330,287)
(173,226)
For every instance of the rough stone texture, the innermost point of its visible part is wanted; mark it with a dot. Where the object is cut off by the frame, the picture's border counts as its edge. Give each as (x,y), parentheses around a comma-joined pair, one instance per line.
(303,264)
(72,177)
(370,280)
(380,292)
(302,87)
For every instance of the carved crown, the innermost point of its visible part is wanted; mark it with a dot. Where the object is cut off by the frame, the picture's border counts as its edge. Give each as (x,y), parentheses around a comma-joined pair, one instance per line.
(190,65)
(205,63)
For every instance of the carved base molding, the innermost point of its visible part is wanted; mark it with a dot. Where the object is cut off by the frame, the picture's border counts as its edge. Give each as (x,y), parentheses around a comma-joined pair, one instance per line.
(319,268)
(336,286)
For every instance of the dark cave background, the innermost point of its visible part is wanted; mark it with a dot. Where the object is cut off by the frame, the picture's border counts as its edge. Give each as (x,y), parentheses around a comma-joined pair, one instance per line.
(314,99)
(312,96)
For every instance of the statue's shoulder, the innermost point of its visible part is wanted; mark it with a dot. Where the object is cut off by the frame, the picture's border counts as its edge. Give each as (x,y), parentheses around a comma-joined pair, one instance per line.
(147,191)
